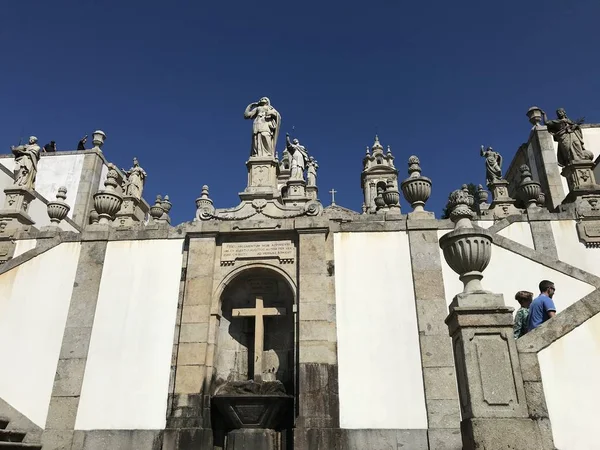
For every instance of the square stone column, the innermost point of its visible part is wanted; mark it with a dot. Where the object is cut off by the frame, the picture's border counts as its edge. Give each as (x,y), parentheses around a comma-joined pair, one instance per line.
(262,178)
(490,384)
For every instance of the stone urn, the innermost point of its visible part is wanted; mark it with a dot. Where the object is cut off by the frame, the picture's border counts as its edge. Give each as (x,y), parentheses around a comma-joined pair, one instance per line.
(156,210)
(529,190)
(482,195)
(379,201)
(108,201)
(534,114)
(98,139)
(94,216)
(467,250)
(58,209)
(416,188)
(391,196)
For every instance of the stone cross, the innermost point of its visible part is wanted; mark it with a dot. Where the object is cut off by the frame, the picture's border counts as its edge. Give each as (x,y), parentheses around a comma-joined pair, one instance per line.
(258,312)
(333,192)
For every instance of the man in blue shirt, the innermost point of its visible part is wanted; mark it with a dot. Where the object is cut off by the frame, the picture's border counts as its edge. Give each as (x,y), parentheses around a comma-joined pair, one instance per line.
(542,308)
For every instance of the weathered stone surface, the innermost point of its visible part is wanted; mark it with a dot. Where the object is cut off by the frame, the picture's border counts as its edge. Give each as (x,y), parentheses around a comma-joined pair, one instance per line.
(344,439)
(117,440)
(76,342)
(319,396)
(436,351)
(536,402)
(189,379)
(440,383)
(69,377)
(543,238)
(57,440)
(252,439)
(193,332)
(443,413)
(62,413)
(496,434)
(530,367)
(191,353)
(324,352)
(429,313)
(445,439)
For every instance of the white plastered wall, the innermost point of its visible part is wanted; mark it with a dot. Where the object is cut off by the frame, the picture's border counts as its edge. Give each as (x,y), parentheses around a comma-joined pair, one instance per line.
(573,252)
(127,373)
(34,303)
(509,273)
(379,363)
(519,232)
(55,171)
(24,245)
(570,370)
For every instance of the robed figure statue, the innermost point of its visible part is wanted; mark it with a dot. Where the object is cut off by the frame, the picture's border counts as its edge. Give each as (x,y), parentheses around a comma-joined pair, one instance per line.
(26,163)
(265,128)
(493,164)
(299,158)
(135,179)
(569,137)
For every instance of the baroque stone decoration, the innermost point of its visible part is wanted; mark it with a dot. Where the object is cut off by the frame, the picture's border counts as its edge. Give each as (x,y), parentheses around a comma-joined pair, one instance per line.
(98,139)
(58,209)
(529,190)
(26,163)
(379,174)
(135,178)
(493,164)
(569,137)
(108,201)
(276,189)
(503,204)
(416,188)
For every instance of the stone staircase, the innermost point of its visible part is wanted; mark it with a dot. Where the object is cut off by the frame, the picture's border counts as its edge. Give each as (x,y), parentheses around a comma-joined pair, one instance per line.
(13,440)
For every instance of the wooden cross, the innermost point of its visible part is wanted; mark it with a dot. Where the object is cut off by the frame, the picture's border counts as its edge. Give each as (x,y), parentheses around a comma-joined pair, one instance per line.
(258,312)
(333,192)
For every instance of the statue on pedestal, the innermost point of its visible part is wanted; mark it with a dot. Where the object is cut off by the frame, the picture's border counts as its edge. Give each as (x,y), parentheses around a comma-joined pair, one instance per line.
(265,128)
(311,171)
(493,164)
(569,136)
(26,160)
(135,179)
(299,158)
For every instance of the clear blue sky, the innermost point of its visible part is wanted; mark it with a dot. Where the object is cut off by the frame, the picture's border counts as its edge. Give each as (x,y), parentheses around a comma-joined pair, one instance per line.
(168,83)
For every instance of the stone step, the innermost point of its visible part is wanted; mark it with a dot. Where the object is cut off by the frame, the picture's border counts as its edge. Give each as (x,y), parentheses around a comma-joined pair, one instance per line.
(11,436)
(19,446)
(3,423)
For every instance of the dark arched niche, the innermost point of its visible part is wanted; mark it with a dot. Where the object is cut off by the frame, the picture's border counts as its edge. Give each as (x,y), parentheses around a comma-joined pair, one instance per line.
(235,345)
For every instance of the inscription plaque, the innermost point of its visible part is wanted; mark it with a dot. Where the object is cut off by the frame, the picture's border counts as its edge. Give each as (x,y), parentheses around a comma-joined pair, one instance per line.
(284,250)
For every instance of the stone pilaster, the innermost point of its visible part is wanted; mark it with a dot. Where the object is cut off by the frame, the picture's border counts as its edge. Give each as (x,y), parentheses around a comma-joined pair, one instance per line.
(195,344)
(89,183)
(541,232)
(547,166)
(74,351)
(16,204)
(441,396)
(318,372)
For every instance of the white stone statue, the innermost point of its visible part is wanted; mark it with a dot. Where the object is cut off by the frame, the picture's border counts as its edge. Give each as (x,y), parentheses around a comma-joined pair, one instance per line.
(265,128)
(311,171)
(134,183)
(299,158)
(26,161)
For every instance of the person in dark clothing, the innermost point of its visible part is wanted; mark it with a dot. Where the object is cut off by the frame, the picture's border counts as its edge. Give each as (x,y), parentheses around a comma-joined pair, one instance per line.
(81,145)
(50,147)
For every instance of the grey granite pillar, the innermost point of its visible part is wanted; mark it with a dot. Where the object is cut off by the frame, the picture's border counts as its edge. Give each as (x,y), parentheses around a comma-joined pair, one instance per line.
(541,232)
(441,396)
(89,183)
(74,351)
(491,389)
(318,370)
(547,166)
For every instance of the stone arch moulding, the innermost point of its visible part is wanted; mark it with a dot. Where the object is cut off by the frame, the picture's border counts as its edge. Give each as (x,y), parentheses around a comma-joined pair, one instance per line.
(227,279)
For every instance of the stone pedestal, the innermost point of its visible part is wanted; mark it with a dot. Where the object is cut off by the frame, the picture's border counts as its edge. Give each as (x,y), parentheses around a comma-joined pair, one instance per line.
(16,204)
(129,212)
(312,192)
(250,438)
(580,176)
(502,204)
(490,384)
(262,179)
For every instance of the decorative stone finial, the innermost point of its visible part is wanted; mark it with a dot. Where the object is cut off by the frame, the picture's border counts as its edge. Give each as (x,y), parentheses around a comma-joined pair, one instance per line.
(377,147)
(58,209)
(204,205)
(98,139)
(482,195)
(389,150)
(391,197)
(466,250)
(94,216)
(108,201)
(535,115)
(368,150)
(416,188)
(156,210)
(166,204)
(529,190)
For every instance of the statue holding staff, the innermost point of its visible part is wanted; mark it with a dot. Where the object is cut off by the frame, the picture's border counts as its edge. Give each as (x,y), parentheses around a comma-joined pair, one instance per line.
(26,163)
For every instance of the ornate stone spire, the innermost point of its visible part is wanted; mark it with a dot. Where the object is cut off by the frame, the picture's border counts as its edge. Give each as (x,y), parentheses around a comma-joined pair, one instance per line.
(416,188)
(58,209)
